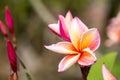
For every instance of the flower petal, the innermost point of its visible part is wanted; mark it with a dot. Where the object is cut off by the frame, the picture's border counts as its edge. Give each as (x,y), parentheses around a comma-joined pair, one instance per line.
(76,30)
(69,17)
(67,62)
(62,47)
(54,28)
(90,39)
(63,28)
(87,58)
(107,74)
(82,26)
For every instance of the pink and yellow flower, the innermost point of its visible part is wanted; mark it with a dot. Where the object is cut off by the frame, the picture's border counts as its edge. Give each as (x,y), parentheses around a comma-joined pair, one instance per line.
(83,42)
(107,74)
(61,28)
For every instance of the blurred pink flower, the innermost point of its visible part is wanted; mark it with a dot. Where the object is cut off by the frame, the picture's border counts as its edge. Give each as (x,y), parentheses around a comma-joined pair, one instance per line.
(3,29)
(12,56)
(107,74)
(83,42)
(113,31)
(61,28)
(9,20)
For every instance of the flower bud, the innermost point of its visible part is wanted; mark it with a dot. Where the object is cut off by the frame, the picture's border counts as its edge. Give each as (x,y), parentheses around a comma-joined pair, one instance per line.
(12,56)
(9,20)
(3,29)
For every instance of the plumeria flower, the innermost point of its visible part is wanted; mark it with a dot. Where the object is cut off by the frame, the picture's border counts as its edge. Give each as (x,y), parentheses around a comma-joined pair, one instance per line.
(61,28)
(12,59)
(107,74)
(83,42)
(113,31)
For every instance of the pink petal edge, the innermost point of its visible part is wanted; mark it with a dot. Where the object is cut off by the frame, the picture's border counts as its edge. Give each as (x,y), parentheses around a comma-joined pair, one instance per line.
(107,74)
(87,58)
(82,26)
(54,28)
(76,31)
(62,47)
(91,39)
(63,28)
(67,62)
(96,42)
(68,17)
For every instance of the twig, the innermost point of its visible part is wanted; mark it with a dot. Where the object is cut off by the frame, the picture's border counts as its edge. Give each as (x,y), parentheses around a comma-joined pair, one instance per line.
(25,69)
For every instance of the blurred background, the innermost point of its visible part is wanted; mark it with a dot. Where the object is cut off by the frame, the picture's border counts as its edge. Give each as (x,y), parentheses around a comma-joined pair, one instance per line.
(31,19)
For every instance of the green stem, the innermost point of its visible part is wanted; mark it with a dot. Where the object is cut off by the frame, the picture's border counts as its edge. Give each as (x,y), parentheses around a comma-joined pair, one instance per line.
(25,69)
(21,62)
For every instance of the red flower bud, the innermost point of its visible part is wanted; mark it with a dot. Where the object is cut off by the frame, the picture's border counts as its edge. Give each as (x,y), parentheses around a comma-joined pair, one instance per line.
(9,20)
(12,56)
(3,29)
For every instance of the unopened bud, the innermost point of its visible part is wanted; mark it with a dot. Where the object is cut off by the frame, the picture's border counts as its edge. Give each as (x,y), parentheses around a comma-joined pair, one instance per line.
(9,20)
(12,56)
(3,29)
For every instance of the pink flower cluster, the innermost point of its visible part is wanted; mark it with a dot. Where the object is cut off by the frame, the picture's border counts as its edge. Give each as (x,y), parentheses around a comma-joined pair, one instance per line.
(113,31)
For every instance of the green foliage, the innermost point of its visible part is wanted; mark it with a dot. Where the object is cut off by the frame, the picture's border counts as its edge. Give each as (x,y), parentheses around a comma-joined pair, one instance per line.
(76,6)
(96,70)
(116,69)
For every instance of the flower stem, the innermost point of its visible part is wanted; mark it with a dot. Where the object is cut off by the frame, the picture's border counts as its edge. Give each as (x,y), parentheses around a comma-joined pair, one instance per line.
(85,71)
(21,62)
(25,69)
